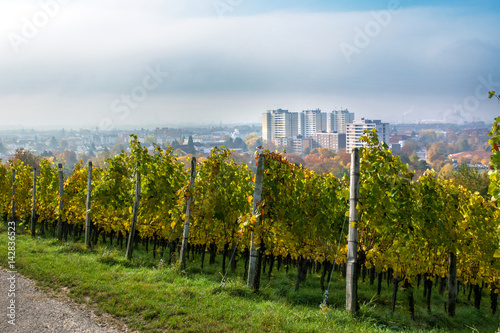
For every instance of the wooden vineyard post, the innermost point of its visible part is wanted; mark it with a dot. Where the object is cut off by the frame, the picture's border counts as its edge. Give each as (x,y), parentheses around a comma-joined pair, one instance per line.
(33,207)
(253,266)
(185,234)
(61,192)
(130,244)
(87,215)
(352,247)
(13,212)
(452,283)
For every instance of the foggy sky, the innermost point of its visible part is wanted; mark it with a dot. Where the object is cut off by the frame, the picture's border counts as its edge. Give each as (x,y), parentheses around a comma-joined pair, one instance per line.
(116,63)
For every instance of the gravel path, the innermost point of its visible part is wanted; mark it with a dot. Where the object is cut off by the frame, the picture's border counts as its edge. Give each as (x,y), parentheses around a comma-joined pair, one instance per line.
(37,311)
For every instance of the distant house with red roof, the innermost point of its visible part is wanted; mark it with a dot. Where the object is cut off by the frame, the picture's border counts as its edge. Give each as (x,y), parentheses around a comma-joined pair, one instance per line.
(470,156)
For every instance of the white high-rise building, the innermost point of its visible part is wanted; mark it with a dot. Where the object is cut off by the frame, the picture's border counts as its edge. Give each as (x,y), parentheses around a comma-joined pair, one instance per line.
(337,120)
(311,122)
(334,130)
(355,130)
(279,124)
(267,131)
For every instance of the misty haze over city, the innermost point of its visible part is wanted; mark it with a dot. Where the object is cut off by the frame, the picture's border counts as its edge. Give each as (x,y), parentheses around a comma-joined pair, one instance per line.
(124,64)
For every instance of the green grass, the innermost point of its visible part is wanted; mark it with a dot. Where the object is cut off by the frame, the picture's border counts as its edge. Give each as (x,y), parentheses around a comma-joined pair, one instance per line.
(152,299)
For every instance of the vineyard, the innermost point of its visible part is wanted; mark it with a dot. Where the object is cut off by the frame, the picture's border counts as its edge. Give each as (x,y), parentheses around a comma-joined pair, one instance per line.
(411,231)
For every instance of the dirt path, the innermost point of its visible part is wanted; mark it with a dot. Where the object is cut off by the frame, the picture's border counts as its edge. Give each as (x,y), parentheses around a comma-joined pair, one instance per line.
(37,311)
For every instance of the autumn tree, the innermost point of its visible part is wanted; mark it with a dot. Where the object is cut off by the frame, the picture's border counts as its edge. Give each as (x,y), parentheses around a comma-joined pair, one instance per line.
(27,157)
(101,157)
(464,145)
(446,171)
(295,159)
(410,147)
(471,179)
(428,136)
(323,160)
(67,158)
(241,158)
(436,154)
(253,141)
(451,136)
(345,158)
(117,149)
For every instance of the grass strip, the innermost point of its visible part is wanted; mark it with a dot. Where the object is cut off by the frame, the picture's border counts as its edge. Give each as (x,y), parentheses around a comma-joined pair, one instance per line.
(150,298)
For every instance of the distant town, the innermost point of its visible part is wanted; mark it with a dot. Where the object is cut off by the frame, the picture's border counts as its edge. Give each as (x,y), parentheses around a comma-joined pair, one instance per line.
(318,140)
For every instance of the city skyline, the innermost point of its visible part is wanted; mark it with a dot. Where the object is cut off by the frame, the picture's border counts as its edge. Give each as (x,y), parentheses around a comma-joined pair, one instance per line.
(335,130)
(113,64)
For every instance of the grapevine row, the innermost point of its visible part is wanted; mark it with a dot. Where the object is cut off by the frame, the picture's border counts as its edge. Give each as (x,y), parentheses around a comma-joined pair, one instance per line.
(407,227)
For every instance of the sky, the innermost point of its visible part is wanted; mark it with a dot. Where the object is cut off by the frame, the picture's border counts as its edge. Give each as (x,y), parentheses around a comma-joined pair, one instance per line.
(116,64)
